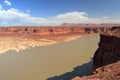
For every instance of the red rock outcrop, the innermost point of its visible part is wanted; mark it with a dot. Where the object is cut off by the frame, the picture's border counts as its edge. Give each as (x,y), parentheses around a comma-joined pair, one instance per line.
(109,48)
(108,51)
(108,72)
(49,31)
(106,60)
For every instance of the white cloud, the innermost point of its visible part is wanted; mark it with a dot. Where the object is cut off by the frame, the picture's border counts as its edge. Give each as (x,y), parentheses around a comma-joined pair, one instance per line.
(105,17)
(1,7)
(16,17)
(28,11)
(13,16)
(7,2)
(70,17)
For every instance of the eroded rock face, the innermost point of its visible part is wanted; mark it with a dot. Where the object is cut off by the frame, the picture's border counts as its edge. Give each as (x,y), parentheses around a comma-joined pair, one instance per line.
(106,60)
(108,51)
(48,31)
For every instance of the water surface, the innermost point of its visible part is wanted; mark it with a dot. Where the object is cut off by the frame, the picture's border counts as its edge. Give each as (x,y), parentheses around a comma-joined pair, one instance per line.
(41,63)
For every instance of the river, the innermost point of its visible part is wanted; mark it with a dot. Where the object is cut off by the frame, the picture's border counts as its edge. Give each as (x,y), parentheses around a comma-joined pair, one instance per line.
(49,62)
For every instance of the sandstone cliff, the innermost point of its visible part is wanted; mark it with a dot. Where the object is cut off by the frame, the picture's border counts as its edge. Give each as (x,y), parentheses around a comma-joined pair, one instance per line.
(48,31)
(106,60)
(108,51)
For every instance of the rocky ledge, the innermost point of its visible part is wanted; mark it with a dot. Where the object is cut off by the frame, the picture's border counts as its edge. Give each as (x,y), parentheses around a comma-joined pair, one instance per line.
(106,60)
(108,72)
(109,48)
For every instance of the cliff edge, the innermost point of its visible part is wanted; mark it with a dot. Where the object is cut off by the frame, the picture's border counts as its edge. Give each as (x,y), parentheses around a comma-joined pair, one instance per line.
(106,60)
(109,48)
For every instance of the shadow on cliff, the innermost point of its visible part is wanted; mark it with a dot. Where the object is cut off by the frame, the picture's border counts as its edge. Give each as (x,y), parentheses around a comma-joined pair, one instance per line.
(82,70)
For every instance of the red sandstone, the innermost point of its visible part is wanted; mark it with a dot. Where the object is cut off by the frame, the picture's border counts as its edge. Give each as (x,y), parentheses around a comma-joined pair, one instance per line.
(49,31)
(106,60)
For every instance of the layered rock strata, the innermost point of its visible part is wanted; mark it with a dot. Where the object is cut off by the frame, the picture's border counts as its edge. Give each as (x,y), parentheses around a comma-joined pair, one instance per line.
(48,31)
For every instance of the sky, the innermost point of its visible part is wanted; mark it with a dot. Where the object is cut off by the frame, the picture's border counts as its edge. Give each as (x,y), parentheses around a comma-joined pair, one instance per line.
(56,12)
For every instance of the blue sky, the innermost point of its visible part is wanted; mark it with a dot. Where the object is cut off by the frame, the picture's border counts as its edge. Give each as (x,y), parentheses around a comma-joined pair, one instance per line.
(56,12)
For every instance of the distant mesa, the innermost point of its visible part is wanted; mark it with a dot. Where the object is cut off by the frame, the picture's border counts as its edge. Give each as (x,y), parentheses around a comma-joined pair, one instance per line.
(91,24)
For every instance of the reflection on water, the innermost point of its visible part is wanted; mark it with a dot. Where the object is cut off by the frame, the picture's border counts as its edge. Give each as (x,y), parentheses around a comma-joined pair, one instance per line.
(41,63)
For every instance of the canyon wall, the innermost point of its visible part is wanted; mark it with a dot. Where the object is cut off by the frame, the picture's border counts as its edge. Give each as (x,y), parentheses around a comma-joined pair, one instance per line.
(49,31)
(108,51)
(106,60)
(22,37)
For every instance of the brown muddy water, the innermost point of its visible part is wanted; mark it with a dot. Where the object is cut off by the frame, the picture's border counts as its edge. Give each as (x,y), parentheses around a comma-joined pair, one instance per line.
(54,62)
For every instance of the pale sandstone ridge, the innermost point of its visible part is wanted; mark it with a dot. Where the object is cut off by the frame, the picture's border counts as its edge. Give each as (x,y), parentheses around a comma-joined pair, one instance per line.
(21,37)
(106,60)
